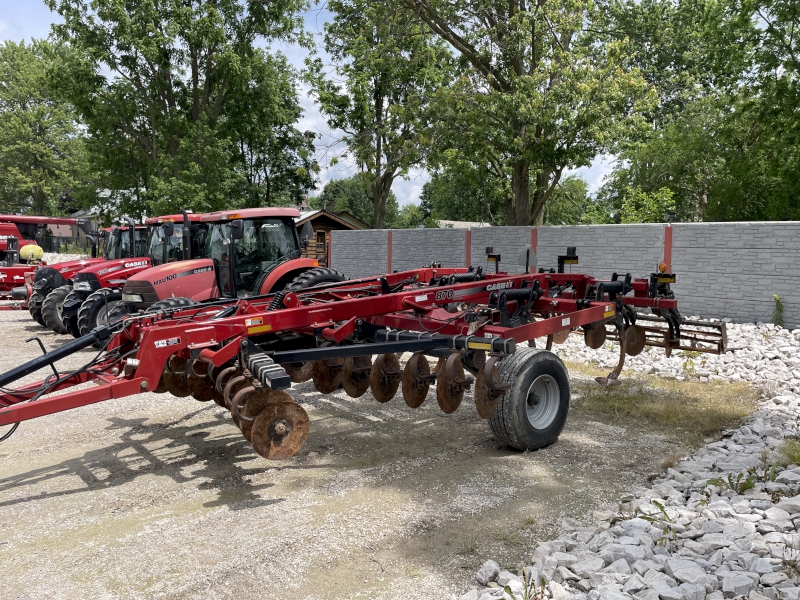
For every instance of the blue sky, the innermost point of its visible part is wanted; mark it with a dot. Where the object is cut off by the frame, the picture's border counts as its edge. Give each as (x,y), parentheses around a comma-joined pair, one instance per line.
(24,19)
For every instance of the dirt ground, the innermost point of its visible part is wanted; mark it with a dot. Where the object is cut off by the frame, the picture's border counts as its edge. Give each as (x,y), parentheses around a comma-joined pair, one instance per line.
(158,497)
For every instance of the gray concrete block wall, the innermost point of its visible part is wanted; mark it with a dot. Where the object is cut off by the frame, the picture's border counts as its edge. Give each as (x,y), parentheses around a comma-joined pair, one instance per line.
(734,269)
(360,253)
(723,269)
(507,241)
(414,248)
(604,249)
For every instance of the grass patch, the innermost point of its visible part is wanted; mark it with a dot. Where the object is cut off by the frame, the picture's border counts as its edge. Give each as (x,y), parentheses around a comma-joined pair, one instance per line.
(791,450)
(696,409)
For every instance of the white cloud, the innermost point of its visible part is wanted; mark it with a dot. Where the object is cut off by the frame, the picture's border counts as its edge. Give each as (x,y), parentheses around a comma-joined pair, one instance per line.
(595,173)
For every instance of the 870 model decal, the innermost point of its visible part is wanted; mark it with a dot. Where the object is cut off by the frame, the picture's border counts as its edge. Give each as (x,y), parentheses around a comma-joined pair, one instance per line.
(184,274)
(445,295)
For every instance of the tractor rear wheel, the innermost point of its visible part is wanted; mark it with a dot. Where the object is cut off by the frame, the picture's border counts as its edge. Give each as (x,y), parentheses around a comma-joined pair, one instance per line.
(52,307)
(35,307)
(96,309)
(316,276)
(532,413)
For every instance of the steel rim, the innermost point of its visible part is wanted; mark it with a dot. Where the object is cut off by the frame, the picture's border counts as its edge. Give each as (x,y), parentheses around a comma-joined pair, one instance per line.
(542,401)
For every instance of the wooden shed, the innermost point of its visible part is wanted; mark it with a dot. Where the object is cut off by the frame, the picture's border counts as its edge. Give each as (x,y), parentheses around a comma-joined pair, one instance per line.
(323,222)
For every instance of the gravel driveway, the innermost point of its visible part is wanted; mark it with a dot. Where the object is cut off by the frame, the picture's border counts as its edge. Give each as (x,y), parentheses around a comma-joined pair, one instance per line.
(158,497)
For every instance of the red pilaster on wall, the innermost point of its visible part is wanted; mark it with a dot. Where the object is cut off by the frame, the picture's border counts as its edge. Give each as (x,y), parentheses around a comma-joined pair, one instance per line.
(534,238)
(330,250)
(468,239)
(389,253)
(668,247)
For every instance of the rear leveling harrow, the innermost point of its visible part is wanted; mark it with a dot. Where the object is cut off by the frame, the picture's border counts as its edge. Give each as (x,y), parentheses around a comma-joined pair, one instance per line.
(461,327)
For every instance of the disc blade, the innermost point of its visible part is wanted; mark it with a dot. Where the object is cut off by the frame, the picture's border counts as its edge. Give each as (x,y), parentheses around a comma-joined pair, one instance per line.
(595,337)
(486,402)
(635,339)
(200,388)
(559,337)
(355,381)
(255,403)
(280,430)
(415,389)
(177,365)
(299,372)
(385,377)
(327,375)
(176,384)
(448,393)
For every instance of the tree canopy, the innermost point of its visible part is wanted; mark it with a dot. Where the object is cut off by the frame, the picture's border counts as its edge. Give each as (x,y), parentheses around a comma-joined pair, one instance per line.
(186,103)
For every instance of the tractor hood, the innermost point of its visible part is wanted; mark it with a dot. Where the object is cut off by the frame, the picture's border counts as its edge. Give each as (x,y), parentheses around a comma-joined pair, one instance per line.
(194,279)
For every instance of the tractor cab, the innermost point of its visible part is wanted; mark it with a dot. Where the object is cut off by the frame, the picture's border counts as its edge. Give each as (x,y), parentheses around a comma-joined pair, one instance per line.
(166,239)
(118,243)
(247,245)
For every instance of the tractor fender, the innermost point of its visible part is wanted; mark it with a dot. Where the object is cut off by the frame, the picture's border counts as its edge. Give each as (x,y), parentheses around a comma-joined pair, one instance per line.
(286,272)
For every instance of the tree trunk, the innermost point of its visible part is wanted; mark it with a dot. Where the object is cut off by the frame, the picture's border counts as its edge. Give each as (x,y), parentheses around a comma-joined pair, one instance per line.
(540,197)
(519,212)
(381,187)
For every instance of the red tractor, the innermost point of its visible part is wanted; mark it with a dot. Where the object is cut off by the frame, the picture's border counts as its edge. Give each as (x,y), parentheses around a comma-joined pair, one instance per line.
(17,232)
(85,299)
(249,252)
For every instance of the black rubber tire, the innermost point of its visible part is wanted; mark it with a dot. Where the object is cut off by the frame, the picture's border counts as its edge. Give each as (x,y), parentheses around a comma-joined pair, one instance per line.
(173,303)
(316,276)
(510,423)
(36,311)
(120,311)
(71,323)
(51,308)
(94,306)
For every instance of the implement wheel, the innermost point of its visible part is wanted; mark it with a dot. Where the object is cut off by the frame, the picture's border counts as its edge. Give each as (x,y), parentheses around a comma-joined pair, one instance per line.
(532,413)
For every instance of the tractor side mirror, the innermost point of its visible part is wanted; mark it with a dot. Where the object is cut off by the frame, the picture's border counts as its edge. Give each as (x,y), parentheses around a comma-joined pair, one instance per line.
(169,228)
(306,231)
(237,229)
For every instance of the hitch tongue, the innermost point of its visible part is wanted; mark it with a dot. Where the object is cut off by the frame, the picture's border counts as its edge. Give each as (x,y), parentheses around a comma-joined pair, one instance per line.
(98,334)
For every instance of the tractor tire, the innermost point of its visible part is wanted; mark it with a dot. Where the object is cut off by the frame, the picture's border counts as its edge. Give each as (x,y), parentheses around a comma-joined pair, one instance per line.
(96,309)
(71,322)
(174,303)
(116,314)
(532,413)
(313,277)
(35,308)
(52,306)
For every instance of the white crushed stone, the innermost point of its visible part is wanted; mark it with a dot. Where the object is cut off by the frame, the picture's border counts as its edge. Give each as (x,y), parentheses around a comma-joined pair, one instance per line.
(683,538)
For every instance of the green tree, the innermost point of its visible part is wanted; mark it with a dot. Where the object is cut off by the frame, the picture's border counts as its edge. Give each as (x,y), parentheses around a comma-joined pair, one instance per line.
(155,83)
(386,68)
(276,157)
(42,153)
(571,204)
(459,191)
(724,138)
(540,91)
(642,207)
(353,194)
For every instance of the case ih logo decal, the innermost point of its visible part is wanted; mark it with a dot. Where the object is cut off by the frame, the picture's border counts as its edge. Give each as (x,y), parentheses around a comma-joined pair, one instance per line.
(138,263)
(184,274)
(499,286)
